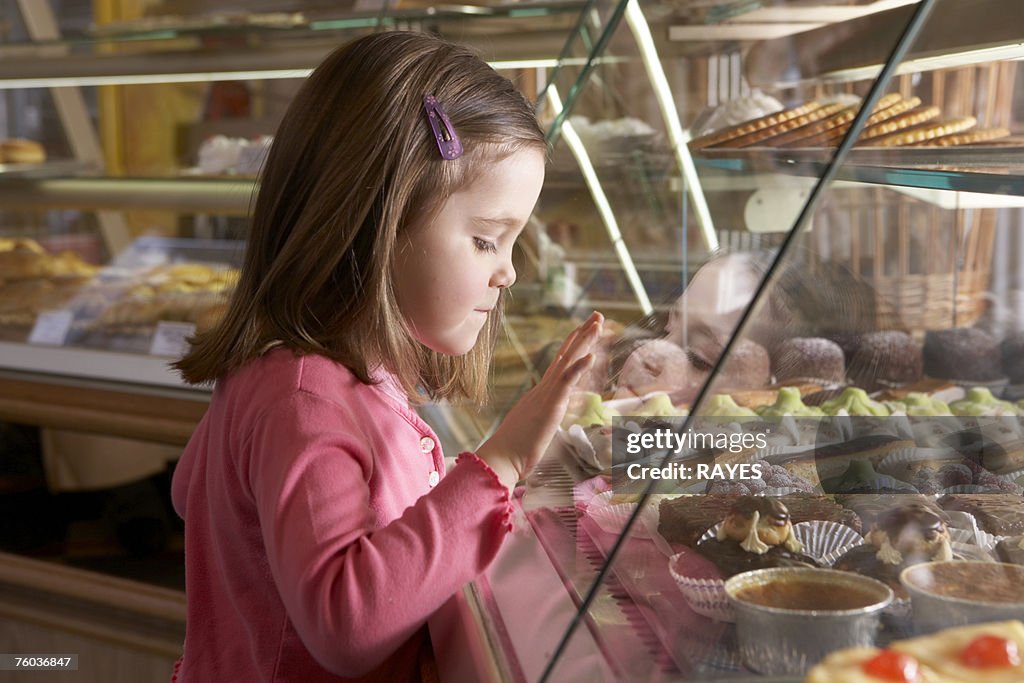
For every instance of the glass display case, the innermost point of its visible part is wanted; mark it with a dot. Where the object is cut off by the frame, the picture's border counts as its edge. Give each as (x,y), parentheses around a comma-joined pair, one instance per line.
(807,437)
(800,220)
(121,232)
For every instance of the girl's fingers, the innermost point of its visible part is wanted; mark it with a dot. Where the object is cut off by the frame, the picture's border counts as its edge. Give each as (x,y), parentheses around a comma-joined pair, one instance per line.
(586,334)
(578,369)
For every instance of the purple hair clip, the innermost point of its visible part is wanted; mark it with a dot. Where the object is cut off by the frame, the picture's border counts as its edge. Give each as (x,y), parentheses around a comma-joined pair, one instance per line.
(448,142)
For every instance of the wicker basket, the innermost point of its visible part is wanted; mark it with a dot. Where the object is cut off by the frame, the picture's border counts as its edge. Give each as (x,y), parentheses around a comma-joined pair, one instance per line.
(927,268)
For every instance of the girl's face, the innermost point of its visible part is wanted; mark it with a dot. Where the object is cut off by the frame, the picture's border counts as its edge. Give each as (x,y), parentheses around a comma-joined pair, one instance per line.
(449,273)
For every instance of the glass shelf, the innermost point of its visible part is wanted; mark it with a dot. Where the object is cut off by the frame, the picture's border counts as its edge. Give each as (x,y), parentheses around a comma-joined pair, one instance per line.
(233,25)
(220,195)
(994,171)
(205,49)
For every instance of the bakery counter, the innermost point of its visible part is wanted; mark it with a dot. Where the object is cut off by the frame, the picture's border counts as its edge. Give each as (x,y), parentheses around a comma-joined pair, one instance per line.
(135,411)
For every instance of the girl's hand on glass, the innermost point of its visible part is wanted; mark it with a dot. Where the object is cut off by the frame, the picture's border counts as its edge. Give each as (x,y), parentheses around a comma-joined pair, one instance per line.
(523,436)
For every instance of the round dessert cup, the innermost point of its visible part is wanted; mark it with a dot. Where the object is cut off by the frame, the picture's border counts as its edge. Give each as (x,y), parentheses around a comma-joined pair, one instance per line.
(775,641)
(939,604)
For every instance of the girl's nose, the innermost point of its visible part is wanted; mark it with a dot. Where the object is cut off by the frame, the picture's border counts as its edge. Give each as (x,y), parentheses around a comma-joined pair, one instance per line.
(505,276)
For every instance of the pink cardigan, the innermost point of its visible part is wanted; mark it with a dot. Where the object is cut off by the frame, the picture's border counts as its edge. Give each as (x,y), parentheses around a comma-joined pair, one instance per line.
(319,534)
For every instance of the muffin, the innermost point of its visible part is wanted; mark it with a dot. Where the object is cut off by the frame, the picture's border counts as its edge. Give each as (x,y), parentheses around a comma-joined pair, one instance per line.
(881,359)
(809,358)
(962,353)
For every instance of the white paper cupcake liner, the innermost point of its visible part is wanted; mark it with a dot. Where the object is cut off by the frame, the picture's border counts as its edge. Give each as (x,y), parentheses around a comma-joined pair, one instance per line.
(775,454)
(970,551)
(704,596)
(825,541)
(980,538)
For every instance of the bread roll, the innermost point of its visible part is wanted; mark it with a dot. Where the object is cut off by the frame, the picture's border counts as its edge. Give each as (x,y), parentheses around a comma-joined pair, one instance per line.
(21,151)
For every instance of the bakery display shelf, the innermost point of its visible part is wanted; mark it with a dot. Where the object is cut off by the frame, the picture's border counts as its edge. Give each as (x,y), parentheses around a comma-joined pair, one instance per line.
(217,24)
(986,170)
(127,368)
(46,169)
(186,195)
(509,37)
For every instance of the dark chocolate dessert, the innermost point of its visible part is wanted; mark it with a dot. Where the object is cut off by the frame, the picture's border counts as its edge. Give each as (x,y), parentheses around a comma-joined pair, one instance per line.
(731,559)
(813,358)
(963,353)
(901,537)
(685,519)
(756,533)
(882,359)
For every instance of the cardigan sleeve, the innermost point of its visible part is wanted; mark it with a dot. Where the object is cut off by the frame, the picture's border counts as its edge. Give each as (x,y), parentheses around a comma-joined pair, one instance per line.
(353,593)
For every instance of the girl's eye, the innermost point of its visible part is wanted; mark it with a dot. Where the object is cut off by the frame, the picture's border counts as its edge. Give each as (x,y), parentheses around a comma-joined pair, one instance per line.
(484,245)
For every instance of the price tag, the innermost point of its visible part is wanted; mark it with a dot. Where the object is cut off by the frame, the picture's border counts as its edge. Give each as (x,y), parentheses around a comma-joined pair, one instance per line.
(51,328)
(171,339)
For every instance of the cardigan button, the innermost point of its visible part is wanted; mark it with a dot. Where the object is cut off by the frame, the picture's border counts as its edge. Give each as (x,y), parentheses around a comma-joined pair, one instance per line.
(427,444)
(434,477)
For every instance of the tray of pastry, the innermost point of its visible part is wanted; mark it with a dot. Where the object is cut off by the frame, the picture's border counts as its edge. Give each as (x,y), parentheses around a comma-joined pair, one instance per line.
(917,130)
(117,307)
(155,280)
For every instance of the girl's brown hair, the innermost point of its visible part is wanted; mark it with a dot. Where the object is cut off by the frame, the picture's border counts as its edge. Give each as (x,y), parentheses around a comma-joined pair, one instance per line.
(353,165)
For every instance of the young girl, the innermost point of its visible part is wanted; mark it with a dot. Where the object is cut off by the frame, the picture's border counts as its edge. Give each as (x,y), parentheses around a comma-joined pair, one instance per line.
(320,534)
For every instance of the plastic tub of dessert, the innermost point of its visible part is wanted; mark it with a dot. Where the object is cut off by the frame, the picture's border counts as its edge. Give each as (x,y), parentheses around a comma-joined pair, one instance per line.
(787,619)
(961,592)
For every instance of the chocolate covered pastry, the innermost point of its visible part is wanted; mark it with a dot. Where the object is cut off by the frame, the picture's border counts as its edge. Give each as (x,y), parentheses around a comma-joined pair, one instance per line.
(731,559)
(660,365)
(963,353)
(757,524)
(901,537)
(882,359)
(747,367)
(870,507)
(685,519)
(756,533)
(910,534)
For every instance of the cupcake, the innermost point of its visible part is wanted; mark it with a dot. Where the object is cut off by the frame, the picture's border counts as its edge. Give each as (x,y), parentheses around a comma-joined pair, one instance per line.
(880,359)
(809,358)
(962,353)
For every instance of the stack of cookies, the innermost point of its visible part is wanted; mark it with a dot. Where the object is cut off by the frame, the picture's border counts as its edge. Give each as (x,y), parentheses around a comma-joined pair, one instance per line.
(896,121)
